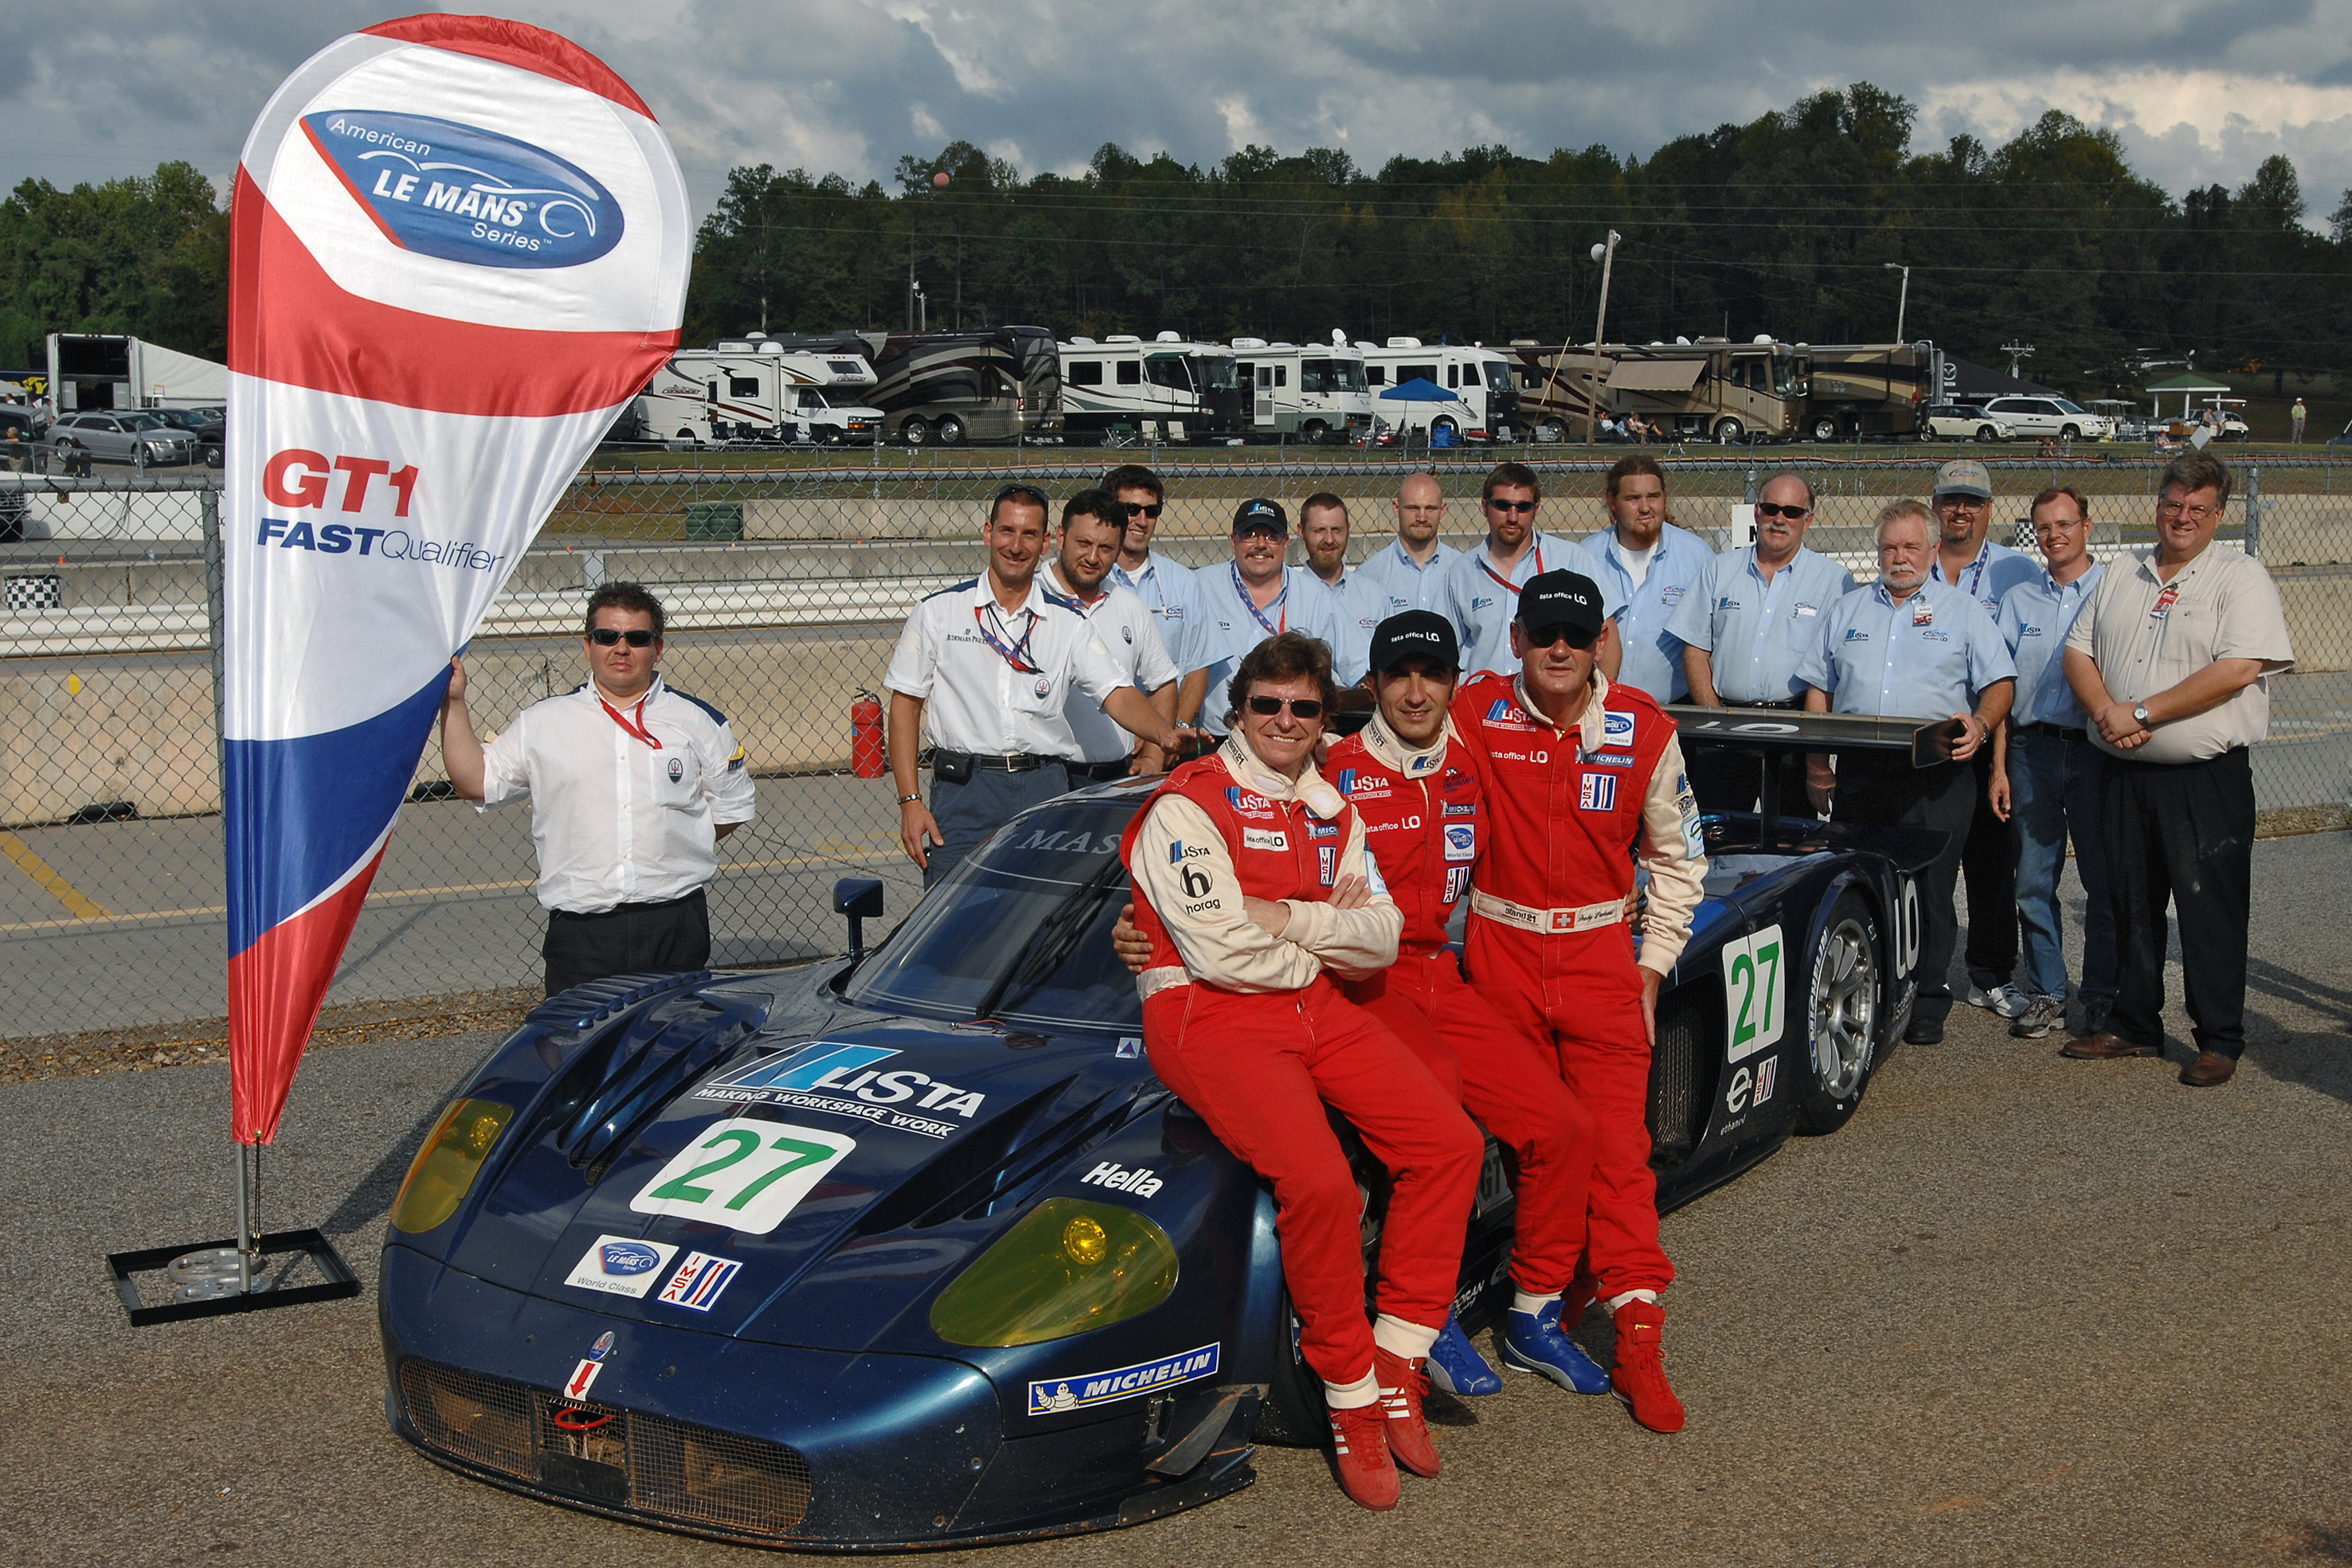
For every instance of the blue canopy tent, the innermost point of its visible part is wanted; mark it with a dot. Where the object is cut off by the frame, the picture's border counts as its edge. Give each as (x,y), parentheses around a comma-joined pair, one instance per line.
(1421,390)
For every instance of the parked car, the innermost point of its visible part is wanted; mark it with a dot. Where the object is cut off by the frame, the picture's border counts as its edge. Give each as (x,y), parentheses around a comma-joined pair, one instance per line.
(911,1249)
(1962,422)
(2053,416)
(208,426)
(125,435)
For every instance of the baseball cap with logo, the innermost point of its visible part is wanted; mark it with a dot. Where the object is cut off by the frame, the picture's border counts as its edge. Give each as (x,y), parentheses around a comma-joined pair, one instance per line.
(1964,476)
(1415,635)
(1568,599)
(1256,513)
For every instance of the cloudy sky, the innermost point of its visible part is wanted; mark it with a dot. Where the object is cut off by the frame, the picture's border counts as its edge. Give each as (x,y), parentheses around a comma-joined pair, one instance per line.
(2200,91)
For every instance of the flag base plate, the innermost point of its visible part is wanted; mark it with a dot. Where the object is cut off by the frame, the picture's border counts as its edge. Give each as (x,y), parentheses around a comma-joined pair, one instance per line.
(200,1281)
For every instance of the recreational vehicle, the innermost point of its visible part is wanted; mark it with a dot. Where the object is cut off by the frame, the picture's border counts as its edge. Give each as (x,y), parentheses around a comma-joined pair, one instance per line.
(1316,393)
(757,388)
(1167,388)
(1478,377)
(988,384)
(1714,389)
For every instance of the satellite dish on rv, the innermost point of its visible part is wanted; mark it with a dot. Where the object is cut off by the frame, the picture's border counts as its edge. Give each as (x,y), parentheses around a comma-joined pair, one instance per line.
(1404,342)
(1168,338)
(1338,339)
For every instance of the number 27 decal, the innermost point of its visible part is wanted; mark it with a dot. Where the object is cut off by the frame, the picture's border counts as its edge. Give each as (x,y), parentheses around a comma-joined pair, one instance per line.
(746,1175)
(1752,993)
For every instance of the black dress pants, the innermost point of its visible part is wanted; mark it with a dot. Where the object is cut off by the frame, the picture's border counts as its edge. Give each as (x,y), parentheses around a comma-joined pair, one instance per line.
(1990,862)
(2183,834)
(1875,791)
(671,937)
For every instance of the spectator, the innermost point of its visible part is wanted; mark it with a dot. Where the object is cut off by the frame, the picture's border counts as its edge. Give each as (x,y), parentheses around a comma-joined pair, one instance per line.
(1639,429)
(1968,558)
(1481,593)
(1749,620)
(2295,420)
(2046,772)
(2170,658)
(1254,596)
(1092,525)
(1358,603)
(1413,570)
(632,785)
(1911,647)
(1644,565)
(1165,587)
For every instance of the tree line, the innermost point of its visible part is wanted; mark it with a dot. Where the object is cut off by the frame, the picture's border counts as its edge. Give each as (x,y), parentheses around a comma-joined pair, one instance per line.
(1785,225)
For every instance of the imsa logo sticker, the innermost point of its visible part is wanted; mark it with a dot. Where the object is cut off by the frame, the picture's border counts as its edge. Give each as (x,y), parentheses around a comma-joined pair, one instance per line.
(1598,792)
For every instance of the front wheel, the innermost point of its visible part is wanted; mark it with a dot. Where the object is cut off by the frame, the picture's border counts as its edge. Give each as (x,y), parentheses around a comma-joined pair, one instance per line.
(1841,1014)
(1825,430)
(1730,431)
(1987,432)
(951,432)
(2070,432)
(1315,430)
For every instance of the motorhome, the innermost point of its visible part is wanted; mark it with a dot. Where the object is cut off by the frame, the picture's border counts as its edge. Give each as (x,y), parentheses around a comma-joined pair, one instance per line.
(1479,377)
(986,383)
(755,389)
(1715,390)
(1316,393)
(1167,388)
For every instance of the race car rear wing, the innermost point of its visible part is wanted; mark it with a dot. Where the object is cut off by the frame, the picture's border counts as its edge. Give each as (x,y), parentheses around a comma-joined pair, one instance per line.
(1771,730)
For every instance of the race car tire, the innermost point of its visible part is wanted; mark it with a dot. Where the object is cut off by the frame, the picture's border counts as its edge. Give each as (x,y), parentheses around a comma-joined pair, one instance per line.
(1843,986)
(1292,1414)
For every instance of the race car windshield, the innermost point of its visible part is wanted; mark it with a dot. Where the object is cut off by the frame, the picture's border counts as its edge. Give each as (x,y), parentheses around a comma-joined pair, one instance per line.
(1020,932)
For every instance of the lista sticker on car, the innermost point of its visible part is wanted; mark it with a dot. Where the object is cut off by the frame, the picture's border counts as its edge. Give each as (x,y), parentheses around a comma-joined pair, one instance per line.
(1052,1396)
(842,1081)
(620,1265)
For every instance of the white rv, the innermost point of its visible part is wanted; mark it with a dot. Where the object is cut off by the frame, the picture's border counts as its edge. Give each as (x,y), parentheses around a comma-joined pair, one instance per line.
(1316,393)
(755,389)
(1167,388)
(1479,377)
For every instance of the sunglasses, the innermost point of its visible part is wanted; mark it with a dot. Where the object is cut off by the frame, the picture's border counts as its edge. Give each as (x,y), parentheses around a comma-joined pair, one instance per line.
(1513,506)
(635,637)
(1546,637)
(1774,509)
(1142,510)
(1300,707)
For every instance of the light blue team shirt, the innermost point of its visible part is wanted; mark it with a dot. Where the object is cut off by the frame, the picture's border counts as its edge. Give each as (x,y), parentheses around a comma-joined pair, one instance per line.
(1923,658)
(2035,617)
(1231,626)
(1756,633)
(1481,603)
(1408,584)
(1996,569)
(1357,606)
(1653,656)
(1167,591)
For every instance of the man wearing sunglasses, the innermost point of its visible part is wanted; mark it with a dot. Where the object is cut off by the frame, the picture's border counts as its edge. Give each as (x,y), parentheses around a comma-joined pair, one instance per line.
(632,785)
(1646,566)
(1482,585)
(986,668)
(1165,587)
(1256,596)
(1582,781)
(1255,891)
(1749,620)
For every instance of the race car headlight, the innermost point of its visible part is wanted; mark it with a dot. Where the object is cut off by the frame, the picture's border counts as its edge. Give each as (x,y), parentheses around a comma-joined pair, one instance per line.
(445,1167)
(1067,1267)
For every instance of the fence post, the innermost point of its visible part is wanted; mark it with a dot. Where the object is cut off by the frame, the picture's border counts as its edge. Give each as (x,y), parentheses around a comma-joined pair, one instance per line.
(2254,511)
(1750,494)
(215,618)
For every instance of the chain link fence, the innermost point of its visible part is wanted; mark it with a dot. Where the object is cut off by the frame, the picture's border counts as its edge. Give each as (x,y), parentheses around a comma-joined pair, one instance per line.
(786,586)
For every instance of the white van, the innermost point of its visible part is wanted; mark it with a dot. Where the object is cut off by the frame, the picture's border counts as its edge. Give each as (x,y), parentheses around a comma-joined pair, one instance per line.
(753,390)
(1480,377)
(1316,392)
(1167,388)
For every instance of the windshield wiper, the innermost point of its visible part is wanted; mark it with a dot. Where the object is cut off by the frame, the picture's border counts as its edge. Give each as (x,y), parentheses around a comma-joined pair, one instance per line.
(1055,939)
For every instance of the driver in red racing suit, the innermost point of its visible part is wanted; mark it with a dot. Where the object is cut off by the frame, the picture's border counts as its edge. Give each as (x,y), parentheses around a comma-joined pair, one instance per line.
(1580,774)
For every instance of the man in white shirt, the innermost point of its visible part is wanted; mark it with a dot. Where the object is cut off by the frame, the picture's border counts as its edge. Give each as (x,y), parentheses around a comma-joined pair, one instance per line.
(1644,565)
(631,786)
(1358,604)
(1411,570)
(1251,598)
(986,667)
(1076,580)
(1482,585)
(1165,587)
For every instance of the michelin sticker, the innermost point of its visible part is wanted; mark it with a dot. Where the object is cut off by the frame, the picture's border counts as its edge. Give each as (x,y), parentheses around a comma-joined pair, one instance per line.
(621,1266)
(1053,1395)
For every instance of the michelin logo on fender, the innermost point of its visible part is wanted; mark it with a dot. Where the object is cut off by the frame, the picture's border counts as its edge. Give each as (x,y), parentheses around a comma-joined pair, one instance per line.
(1053,1395)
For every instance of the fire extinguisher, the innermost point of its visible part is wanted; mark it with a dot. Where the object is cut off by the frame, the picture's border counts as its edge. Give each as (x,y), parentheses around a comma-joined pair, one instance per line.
(865,754)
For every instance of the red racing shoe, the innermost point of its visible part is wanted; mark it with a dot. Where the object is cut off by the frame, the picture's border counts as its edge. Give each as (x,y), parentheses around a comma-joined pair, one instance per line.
(1639,1377)
(1402,1384)
(1360,1452)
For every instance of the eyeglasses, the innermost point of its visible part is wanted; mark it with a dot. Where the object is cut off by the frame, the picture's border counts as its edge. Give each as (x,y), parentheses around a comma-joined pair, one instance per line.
(1142,510)
(635,637)
(1950,499)
(2194,514)
(1512,506)
(1774,509)
(1300,707)
(1544,637)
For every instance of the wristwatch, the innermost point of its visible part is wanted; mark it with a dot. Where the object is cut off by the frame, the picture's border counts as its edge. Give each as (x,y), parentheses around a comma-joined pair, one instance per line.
(2139,712)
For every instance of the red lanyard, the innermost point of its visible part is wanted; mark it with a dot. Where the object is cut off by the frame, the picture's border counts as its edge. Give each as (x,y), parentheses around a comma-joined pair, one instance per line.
(1505,583)
(638,729)
(1273,628)
(1017,655)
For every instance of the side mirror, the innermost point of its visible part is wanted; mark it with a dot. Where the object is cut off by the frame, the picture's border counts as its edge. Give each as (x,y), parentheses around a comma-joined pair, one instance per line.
(860,898)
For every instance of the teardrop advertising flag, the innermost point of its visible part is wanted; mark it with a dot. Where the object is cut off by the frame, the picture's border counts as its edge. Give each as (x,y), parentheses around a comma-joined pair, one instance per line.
(458,245)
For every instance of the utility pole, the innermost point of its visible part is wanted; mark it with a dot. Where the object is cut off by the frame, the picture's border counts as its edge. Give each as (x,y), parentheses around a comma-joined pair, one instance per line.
(2017,354)
(1902,300)
(1606,255)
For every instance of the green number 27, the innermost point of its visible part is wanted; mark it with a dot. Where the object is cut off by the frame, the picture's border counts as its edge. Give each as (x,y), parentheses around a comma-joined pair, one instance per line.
(798,1156)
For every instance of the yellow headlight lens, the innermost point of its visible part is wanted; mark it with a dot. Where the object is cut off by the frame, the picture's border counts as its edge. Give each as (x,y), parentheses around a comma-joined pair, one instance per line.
(448,1162)
(1067,1267)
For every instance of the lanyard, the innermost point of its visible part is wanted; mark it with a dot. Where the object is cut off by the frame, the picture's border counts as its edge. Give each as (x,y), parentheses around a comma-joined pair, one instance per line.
(1273,628)
(637,729)
(1017,655)
(1975,573)
(1503,583)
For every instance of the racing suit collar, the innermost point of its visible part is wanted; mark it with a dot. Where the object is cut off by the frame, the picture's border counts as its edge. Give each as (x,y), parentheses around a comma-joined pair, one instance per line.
(1392,753)
(1589,725)
(1309,790)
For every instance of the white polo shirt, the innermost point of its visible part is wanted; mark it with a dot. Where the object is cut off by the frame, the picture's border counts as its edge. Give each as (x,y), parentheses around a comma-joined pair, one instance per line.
(997,684)
(1130,632)
(615,819)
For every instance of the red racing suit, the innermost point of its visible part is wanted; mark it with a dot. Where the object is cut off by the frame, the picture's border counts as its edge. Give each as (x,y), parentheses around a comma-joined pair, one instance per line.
(1548,944)
(1425,827)
(1249,1032)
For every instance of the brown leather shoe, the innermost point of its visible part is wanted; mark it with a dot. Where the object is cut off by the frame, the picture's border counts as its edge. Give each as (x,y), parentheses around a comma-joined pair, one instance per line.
(2104,1046)
(2211,1067)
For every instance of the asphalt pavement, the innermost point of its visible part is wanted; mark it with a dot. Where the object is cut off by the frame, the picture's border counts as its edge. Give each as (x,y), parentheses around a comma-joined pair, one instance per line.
(2021,1310)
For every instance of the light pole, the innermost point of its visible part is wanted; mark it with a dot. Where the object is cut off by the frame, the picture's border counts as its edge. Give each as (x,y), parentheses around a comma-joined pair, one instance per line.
(1902,300)
(1606,255)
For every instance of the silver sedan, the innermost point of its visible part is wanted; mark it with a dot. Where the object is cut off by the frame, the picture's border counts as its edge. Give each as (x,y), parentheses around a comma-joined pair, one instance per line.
(124,436)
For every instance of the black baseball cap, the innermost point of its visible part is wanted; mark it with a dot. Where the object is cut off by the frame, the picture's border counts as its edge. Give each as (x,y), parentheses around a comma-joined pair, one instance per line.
(1415,635)
(1257,512)
(1567,599)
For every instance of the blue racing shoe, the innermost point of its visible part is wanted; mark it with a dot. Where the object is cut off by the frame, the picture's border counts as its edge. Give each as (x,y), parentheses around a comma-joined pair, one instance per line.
(1533,1342)
(1455,1365)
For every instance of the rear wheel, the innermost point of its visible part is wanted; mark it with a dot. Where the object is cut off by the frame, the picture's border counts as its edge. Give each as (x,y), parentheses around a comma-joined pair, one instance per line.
(951,432)
(914,433)
(1841,1014)
(1825,430)
(1549,432)
(1730,431)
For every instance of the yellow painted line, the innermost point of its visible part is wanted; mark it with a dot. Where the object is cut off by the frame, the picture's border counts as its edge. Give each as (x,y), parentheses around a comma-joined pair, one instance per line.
(51,882)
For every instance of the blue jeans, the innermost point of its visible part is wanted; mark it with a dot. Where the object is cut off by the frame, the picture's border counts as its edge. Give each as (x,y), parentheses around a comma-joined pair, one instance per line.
(2055,792)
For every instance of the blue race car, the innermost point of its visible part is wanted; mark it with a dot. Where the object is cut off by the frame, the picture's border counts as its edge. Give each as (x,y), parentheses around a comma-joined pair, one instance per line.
(910,1249)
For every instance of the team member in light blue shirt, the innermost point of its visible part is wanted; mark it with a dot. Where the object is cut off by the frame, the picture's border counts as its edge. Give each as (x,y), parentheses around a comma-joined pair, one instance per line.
(1646,566)
(2048,779)
(1254,596)
(1911,648)
(1358,603)
(1412,569)
(1481,592)
(1752,616)
(1165,587)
